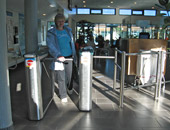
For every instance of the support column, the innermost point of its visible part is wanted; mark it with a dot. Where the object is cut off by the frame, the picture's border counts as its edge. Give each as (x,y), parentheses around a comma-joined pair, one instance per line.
(111,35)
(31,26)
(5,102)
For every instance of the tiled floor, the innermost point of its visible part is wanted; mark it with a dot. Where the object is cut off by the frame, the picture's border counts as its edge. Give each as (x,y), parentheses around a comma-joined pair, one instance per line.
(140,111)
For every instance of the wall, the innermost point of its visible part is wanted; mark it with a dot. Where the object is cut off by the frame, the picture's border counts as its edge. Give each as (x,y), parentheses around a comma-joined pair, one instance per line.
(12,21)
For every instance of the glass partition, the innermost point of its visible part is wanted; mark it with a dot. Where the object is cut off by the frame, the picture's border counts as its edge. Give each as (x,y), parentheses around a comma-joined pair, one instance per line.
(112,32)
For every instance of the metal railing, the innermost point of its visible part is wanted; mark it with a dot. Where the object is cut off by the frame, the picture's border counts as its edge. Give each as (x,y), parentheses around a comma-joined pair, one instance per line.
(122,68)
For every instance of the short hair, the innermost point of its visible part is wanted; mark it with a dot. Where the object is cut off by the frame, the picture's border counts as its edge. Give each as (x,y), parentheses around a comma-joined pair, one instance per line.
(59,16)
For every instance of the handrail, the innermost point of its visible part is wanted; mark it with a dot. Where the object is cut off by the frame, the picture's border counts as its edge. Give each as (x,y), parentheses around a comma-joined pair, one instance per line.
(104,57)
(131,54)
(67,59)
(118,51)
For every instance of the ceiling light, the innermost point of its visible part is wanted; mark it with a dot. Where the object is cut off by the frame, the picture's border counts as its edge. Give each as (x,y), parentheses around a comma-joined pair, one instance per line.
(44,14)
(84,1)
(111,2)
(84,5)
(52,5)
(108,6)
(135,3)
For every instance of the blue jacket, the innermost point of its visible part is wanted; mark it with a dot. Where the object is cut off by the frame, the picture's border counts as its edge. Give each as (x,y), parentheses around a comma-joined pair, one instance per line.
(53,45)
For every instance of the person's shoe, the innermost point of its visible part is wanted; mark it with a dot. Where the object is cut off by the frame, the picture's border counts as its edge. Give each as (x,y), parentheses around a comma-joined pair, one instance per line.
(70,91)
(64,100)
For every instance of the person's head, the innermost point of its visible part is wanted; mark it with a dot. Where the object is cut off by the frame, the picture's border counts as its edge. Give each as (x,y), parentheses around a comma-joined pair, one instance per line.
(59,20)
(91,38)
(107,41)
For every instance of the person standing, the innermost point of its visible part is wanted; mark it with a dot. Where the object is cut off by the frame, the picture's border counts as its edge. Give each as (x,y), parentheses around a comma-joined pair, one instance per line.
(91,42)
(61,46)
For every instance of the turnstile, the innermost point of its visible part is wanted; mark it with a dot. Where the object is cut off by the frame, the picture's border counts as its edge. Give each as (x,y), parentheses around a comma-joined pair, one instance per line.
(85,79)
(39,85)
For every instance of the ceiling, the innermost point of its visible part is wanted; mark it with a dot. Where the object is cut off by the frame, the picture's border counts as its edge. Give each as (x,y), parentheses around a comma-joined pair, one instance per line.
(133,4)
(44,5)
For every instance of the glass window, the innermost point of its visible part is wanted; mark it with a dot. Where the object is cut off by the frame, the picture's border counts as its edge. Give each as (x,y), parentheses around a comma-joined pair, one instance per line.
(107,33)
(135,30)
(50,24)
(95,33)
(9,13)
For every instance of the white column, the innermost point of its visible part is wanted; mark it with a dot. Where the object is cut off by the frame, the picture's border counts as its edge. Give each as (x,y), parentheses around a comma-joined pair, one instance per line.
(31,25)
(5,102)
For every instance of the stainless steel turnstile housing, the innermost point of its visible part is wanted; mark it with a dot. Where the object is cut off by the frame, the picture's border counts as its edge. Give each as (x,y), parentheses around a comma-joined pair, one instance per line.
(85,80)
(38,85)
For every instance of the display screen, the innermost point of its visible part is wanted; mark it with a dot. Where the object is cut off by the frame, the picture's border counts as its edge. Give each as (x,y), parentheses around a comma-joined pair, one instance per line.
(137,12)
(73,11)
(83,11)
(165,12)
(96,11)
(109,11)
(144,35)
(149,12)
(125,12)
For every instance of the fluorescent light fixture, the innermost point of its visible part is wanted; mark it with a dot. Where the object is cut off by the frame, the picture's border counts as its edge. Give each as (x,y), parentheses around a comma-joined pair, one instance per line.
(52,5)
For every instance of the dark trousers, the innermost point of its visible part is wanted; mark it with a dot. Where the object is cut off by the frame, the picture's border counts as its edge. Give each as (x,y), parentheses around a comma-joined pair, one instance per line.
(64,79)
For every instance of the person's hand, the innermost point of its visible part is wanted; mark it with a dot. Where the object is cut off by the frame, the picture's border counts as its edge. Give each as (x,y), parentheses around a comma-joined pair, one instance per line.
(62,59)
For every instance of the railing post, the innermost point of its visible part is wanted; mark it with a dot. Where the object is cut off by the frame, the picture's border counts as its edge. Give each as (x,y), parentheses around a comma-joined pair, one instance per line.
(157,77)
(122,80)
(53,81)
(160,74)
(115,70)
